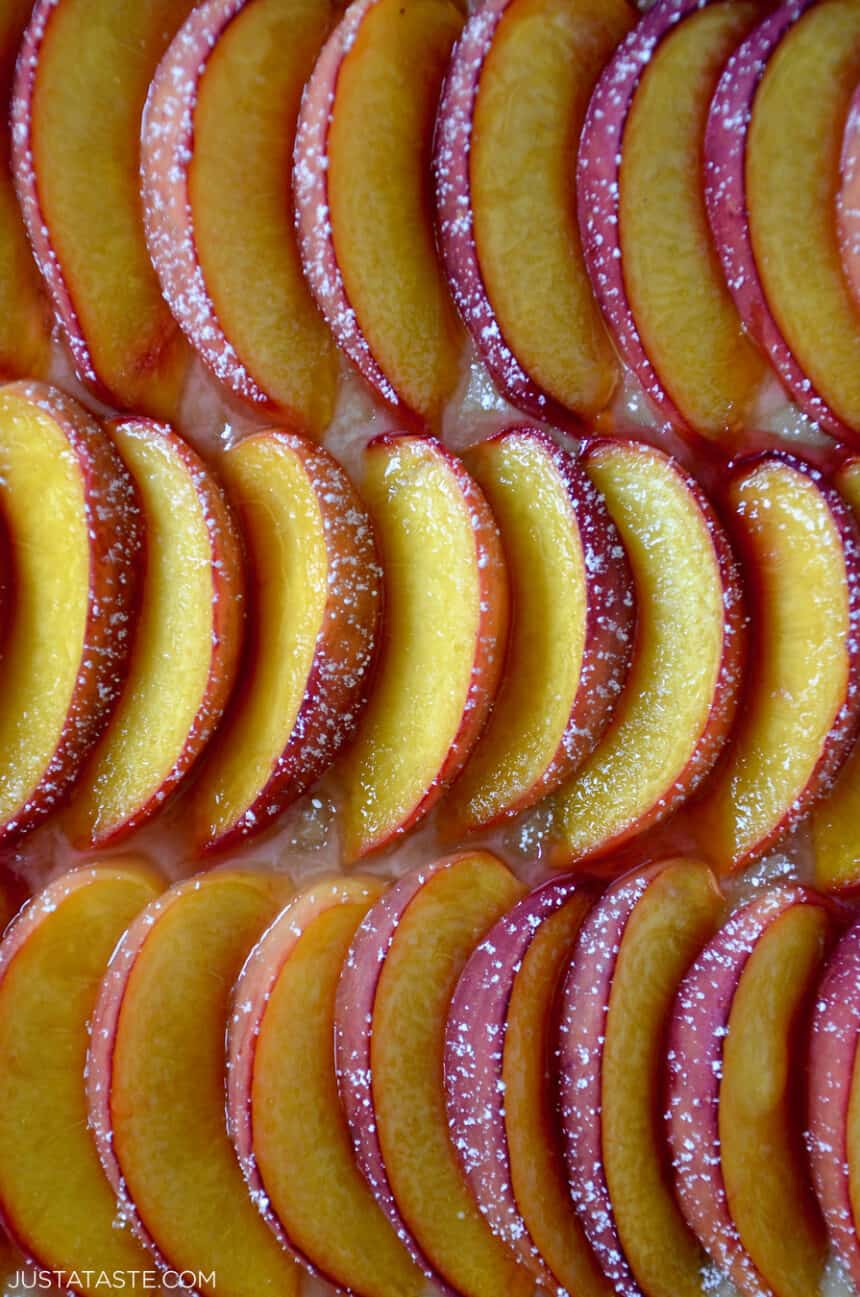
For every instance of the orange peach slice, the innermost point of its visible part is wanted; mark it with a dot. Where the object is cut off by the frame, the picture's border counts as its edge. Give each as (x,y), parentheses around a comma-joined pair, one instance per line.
(362,190)
(500,1043)
(70,510)
(25,323)
(798,546)
(314,593)
(186,643)
(509,122)
(155,1079)
(76,144)
(616,1003)
(571,626)
(54,1198)
(443,638)
(283,1101)
(392,1004)
(680,694)
(735,1097)
(217,143)
(772,164)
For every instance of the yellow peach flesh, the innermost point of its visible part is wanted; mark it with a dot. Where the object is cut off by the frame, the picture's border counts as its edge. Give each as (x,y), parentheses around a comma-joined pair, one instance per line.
(378,174)
(53,1190)
(792,180)
(762,1157)
(328,1210)
(438,931)
(537,78)
(167,1087)
(675,285)
(678,912)
(244,126)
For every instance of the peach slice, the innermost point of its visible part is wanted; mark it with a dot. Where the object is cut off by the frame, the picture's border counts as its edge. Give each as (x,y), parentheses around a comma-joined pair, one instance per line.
(798,546)
(25,323)
(155,1080)
(76,145)
(443,638)
(70,510)
(186,642)
(735,1096)
(680,694)
(772,174)
(314,588)
(509,122)
(283,1101)
(571,628)
(616,1002)
(218,138)
(501,1104)
(363,203)
(392,1004)
(55,1201)
(834,1100)
(647,238)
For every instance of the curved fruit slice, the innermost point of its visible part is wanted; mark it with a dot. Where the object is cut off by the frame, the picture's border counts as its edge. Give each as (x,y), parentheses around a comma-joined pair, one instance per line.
(797,543)
(185,645)
(735,1097)
(500,1042)
(314,603)
(155,1077)
(217,143)
(571,630)
(647,239)
(772,148)
(834,1100)
(76,151)
(509,122)
(362,182)
(848,201)
(392,1004)
(73,570)
(443,638)
(283,1101)
(25,325)
(616,1002)
(679,698)
(54,1198)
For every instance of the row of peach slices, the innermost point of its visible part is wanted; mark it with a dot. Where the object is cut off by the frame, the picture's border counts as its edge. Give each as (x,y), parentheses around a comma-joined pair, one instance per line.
(443,1078)
(590,636)
(718,182)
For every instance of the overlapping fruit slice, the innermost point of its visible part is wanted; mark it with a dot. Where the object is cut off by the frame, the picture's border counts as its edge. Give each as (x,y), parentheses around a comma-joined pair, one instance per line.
(443,638)
(286,1120)
(70,516)
(500,1046)
(647,240)
(362,189)
(25,326)
(217,143)
(679,697)
(571,631)
(155,1077)
(736,1101)
(773,152)
(798,547)
(54,1198)
(392,1005)
(83,74)
(186,642)
(632,952)
(514,101)
(314,600)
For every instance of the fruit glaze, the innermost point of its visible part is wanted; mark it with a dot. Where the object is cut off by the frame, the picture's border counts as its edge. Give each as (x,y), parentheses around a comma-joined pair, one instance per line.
(430,691)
